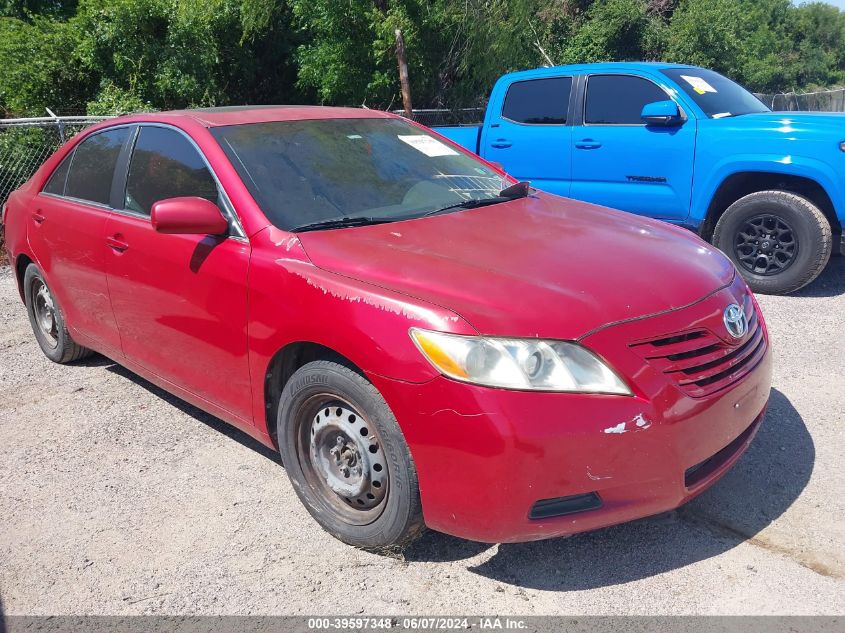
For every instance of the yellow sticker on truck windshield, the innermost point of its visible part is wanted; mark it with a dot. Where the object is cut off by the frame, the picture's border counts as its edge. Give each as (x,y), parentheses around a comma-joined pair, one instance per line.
(698,84)
(427,145)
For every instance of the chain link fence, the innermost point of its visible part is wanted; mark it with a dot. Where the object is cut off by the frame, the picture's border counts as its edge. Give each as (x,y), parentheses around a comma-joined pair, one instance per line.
(818,101)
(25,144)
(446,117)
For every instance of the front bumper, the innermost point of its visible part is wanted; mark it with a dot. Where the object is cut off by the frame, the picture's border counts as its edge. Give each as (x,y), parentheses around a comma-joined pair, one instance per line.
(485,456)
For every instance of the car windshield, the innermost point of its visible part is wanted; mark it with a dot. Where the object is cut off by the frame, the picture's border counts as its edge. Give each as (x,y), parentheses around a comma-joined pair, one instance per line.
(718,96)
(309,172)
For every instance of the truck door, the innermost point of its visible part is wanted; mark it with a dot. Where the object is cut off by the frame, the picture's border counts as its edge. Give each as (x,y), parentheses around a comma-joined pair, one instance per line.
(617,161)
(529,132)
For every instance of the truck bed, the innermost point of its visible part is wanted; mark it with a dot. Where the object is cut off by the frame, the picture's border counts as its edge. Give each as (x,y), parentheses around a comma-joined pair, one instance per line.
(465,135)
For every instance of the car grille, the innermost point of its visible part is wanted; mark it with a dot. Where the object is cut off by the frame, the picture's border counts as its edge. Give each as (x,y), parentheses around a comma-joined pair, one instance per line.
(701,362)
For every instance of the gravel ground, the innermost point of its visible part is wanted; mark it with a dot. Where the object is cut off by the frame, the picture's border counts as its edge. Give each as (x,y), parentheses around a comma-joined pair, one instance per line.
(116,498)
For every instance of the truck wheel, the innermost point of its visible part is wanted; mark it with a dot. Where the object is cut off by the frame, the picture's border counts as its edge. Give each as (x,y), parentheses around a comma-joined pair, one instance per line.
(778,240)
(347,458)
(45,317)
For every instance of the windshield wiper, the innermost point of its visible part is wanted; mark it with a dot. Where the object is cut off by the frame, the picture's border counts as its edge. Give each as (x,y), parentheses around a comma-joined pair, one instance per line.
(517,190)
(339,223)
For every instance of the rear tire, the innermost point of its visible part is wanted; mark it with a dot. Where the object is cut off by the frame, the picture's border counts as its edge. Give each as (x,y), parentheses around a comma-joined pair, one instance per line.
(48,324)
(347,458)
(779,241)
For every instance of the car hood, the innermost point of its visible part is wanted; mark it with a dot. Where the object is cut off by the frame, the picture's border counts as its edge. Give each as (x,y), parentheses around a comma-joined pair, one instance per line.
(786,123)
(540,266)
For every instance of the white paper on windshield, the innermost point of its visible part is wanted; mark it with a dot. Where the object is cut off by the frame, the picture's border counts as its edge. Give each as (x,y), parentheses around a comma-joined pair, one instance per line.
(698,84)
(427,145)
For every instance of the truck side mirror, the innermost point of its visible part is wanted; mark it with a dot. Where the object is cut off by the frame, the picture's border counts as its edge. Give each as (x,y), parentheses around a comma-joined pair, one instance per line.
(662,113)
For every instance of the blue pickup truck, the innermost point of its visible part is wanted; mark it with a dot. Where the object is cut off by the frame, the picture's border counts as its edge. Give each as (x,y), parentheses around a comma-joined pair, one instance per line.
(682,144)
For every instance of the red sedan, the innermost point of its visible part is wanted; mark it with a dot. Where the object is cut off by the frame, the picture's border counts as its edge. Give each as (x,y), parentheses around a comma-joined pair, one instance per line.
(425,341)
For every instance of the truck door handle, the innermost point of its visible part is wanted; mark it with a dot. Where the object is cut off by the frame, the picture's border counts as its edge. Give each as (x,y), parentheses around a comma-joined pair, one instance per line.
(587,143)
(501,143)
(38,218)
(117,244)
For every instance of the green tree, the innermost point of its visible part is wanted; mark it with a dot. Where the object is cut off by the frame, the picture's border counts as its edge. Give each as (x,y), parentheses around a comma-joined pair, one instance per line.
(24,9)
(616,30)
(753,41)
(820,40)
(41,68)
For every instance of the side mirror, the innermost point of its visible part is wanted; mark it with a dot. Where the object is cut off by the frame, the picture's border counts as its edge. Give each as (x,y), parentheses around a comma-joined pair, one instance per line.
(188,216)
(663,113)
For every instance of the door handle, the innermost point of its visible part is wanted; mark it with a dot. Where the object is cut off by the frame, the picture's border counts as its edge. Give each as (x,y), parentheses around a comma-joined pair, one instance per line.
(587,143)
(117,244)
(501,143)
(38,218)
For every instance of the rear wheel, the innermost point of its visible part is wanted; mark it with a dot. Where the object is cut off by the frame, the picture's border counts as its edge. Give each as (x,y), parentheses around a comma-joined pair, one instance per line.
(48,324)
(347,458)
(778,240)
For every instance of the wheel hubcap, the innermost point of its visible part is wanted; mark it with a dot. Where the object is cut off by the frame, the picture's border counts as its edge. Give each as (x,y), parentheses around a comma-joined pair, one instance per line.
(347,457)
(45,313)
(765,245)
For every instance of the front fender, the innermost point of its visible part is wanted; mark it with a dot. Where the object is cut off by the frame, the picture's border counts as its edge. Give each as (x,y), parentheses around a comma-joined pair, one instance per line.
(292,301)
(788,165)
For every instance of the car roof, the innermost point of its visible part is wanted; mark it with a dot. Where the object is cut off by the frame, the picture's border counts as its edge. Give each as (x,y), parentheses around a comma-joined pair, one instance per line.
(237,115)
(616,67)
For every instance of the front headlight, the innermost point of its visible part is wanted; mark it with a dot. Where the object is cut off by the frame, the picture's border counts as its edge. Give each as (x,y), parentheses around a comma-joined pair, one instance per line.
(512,363)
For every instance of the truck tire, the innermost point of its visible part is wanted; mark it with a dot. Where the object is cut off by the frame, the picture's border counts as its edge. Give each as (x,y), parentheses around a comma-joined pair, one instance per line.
(347,458)
(779,241)
(48,324)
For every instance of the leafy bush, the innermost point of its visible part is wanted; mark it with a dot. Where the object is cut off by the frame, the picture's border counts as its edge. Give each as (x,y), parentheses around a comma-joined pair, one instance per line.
(110,56)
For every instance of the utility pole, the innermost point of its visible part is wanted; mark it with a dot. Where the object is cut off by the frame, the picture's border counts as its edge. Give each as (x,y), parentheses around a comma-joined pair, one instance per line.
(403,73)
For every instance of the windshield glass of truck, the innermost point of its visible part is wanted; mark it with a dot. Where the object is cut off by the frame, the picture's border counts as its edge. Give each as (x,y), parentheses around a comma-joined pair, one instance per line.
(718,96)
(312,171)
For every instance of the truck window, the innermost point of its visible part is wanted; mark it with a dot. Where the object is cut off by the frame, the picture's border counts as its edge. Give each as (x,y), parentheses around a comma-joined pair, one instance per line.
(619,99)
(538,101)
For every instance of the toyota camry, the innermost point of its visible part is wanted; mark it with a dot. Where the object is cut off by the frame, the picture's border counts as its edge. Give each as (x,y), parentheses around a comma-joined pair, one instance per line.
(425,340)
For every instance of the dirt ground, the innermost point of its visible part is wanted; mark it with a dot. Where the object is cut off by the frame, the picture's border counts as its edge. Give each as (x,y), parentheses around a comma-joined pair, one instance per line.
(117,498)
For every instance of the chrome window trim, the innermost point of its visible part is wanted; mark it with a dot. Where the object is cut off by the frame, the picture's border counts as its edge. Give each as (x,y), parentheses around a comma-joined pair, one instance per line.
(88,203)
(71,156)
(69,159)
(229,211)
(684,117)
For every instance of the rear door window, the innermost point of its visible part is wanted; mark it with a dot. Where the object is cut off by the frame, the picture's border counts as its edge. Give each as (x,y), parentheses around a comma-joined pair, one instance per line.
(92,166)
(619,99)
(166,165)
(56,184)
(538,101)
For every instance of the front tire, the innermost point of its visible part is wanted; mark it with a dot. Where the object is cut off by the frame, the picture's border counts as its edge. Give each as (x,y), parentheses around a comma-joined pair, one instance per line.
(347,458)
(779,241)
(48,324)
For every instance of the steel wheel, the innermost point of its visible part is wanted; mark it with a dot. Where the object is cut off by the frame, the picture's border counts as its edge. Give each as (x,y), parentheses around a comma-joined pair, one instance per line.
(45,312)
(342,458)
(765,245)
